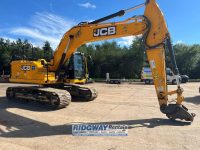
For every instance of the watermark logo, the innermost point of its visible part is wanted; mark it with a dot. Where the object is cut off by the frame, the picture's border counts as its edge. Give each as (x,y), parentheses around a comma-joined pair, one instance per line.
(99,130)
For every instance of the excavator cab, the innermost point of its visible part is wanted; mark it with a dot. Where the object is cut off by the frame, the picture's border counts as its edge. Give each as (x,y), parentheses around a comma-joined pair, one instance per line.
(75,70)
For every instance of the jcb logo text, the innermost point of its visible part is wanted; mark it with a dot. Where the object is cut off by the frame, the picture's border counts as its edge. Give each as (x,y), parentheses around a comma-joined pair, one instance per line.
(105,31)
(25,68)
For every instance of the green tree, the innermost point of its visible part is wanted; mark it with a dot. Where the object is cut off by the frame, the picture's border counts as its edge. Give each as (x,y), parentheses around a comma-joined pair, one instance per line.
(135,58)
(16,50)
(48,52)
(187,58)
(106,57)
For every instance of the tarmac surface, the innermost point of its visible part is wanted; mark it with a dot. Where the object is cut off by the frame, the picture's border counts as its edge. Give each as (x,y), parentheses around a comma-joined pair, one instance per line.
(25,126)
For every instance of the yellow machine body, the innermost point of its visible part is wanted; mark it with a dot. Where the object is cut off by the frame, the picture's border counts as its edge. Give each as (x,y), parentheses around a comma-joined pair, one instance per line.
(34,72)
(76,81)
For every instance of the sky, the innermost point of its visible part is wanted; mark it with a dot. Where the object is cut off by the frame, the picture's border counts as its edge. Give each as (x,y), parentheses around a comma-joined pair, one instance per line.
(48,20)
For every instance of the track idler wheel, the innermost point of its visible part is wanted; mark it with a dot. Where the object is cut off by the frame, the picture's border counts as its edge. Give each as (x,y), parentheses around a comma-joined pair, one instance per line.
(54,100)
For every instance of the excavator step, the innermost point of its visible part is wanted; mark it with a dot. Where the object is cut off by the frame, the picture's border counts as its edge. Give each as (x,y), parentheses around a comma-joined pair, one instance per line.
(55,98)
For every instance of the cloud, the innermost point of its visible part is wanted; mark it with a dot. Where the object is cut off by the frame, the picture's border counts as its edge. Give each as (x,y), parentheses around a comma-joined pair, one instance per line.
(179,42)
(44,27)
(126,41)
(88,5)
(15,39)
(34,33)
(8,38)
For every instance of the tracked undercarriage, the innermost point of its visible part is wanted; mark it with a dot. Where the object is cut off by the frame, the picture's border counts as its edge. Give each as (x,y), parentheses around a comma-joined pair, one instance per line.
(56,95)
(54,98)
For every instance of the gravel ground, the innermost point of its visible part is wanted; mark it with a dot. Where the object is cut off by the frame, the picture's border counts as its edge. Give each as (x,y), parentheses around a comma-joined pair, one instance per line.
(32,126)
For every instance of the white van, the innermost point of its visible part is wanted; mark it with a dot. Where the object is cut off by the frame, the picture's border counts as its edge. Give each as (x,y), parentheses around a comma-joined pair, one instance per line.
(146,76)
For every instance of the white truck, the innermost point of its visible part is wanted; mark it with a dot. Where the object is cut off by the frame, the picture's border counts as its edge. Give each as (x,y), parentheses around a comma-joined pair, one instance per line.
(146,76)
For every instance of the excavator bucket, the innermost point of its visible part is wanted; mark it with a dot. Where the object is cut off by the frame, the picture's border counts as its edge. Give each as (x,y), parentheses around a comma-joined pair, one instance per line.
(175,111)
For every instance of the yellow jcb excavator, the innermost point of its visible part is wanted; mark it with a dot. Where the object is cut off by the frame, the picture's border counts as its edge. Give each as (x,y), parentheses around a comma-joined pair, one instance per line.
(156,38)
